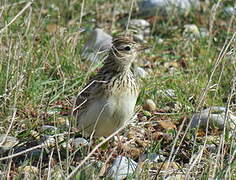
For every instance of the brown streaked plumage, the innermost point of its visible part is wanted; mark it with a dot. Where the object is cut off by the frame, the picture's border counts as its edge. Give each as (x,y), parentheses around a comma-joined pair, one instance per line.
(109,98)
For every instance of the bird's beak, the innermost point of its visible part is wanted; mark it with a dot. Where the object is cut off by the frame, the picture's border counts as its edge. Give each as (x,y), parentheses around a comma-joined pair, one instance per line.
(143,47)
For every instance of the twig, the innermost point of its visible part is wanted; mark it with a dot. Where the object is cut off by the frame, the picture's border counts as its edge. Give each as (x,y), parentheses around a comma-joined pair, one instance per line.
(81,13)
(93,151)
(44,144)
(20,13)
(22,152)
(9,128)
(49,164)
(94,81)
(14,4)
(130,12)
(218,60)
(194,162)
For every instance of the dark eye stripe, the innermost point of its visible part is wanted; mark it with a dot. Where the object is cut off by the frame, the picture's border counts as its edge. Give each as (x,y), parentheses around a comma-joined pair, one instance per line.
(125,48)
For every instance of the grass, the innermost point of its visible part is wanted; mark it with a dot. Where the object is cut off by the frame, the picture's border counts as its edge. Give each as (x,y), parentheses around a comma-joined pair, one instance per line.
(41,71)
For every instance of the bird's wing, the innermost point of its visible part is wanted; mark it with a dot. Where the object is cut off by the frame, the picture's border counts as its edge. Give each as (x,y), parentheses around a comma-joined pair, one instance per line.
(88,93)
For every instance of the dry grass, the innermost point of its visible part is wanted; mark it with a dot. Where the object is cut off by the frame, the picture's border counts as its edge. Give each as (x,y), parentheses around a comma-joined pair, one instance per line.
(42,70)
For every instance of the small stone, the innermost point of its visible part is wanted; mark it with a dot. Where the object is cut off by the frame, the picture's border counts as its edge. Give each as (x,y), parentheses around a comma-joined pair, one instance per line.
(204,32)
(149,105)
(66,145)
(98,42)
(141,28)
(216,116)
(211,148)
(7,142)
(79,142)
(121,168)
(139,23)
(138,37)
(152,157)
(29,172)
(49,142)
(140,72)
(163,7)
(49,129)
(191,30)
(160,41)
(230,10)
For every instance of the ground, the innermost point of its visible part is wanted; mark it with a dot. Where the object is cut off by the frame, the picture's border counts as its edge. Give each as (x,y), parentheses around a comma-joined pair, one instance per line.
(42,71)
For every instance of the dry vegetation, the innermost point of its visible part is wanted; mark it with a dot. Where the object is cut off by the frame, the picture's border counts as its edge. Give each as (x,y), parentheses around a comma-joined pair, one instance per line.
(42,70)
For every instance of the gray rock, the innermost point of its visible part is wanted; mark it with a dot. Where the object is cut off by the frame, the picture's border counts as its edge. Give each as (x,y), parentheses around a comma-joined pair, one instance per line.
(230,10)
(141,28)
(49,141)
(204,32)
(216,116)
(191,30)
(139,38)
(49,129)
(7,142)
(152,157)
(139,23)
(79,142)
(121,168)
(212,148)
(151,7)
(66,145)
(160,41)
(98,43)
(140,72)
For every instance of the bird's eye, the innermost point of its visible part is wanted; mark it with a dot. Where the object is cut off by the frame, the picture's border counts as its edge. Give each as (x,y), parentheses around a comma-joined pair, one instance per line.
(127,48)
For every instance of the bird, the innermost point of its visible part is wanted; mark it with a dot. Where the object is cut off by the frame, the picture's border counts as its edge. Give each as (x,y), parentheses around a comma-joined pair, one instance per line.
(108,100)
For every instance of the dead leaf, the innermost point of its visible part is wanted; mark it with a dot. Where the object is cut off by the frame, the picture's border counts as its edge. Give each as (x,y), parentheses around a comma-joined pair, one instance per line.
(141,143)
(52,28)
(134,152)
(160,135)
(167,125)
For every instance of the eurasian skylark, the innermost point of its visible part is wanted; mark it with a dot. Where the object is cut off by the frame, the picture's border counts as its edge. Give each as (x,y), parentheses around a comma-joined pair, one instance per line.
(108,100)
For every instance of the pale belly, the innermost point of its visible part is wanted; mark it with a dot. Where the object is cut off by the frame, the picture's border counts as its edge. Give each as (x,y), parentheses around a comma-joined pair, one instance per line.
(105,116)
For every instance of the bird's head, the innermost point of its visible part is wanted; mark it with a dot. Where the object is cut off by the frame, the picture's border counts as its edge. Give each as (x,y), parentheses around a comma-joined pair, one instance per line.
(124,50)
